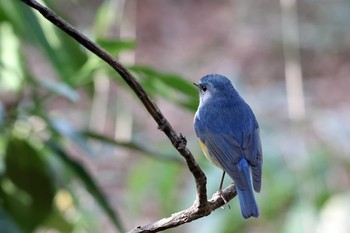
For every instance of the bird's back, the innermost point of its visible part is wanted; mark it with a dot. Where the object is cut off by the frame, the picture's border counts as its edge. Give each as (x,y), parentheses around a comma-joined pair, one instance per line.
(216,115)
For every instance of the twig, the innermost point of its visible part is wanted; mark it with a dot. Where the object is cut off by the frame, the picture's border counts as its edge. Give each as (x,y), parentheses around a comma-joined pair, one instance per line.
(201,207)
(188,215)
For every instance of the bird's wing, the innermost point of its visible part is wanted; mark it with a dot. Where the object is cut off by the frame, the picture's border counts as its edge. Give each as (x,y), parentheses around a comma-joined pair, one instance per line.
(252,151)
(227,151)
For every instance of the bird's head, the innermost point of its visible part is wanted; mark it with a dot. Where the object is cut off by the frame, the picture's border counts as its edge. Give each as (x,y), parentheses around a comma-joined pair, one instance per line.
(213,85)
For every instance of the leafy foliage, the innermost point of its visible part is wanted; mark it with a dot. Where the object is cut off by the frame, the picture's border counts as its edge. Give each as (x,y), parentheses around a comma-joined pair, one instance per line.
(35,159)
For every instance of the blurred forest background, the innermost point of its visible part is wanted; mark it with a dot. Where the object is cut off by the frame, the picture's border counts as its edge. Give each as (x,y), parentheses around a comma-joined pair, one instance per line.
(79,153)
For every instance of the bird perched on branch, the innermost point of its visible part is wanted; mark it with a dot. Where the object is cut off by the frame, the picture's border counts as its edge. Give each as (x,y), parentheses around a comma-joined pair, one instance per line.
(229,137)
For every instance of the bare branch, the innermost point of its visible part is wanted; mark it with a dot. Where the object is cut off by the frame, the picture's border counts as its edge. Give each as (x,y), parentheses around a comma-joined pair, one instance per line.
(201,206)
(188,215)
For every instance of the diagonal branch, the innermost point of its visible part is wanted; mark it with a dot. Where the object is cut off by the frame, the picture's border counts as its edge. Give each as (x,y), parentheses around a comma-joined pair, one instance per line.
(201,206)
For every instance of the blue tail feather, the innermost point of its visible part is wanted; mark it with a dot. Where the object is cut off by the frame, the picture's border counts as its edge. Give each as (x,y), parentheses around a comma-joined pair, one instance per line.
(247,202)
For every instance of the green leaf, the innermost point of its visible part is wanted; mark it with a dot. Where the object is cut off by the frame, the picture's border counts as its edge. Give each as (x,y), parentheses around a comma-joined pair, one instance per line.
(29,193)
(105,16)
(86,73)
(88,181)
(116,46)
(65,54)
(39,37)
(170,86)
(9,12)
(11,70)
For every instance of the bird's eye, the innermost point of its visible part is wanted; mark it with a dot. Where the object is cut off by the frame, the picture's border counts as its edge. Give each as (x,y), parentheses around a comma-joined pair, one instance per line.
(204,88)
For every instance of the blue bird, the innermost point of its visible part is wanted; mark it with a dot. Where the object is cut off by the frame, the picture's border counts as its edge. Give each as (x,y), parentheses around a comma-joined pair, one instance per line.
(229,137)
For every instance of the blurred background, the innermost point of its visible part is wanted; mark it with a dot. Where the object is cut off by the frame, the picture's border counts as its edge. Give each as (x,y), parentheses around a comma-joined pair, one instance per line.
(79,153)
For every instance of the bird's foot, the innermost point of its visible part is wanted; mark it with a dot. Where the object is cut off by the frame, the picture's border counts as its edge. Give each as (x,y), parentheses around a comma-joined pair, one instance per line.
(223,198)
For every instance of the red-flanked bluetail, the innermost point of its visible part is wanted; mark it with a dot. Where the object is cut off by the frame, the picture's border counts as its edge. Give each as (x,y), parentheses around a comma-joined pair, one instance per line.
(228,133)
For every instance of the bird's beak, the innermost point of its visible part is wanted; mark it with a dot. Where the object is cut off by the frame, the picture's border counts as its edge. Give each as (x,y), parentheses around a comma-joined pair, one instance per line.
(197,85)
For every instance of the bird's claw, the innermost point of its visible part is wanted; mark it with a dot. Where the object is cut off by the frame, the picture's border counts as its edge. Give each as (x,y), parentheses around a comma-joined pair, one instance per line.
(224,199)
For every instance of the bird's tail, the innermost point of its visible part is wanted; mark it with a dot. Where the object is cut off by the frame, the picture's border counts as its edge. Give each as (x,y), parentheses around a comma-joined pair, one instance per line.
(247,202)
(246,197)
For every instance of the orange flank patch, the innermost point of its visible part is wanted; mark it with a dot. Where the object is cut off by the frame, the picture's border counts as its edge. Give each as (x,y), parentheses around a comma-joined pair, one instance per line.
(207,155)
